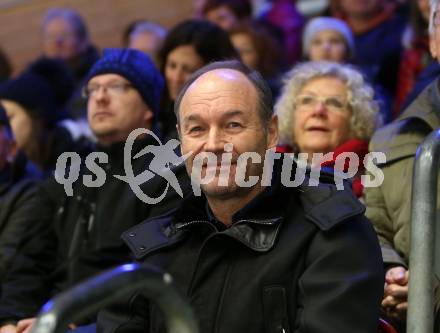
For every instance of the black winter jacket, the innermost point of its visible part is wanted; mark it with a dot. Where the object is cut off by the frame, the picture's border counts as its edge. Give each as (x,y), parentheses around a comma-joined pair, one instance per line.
(73,238)
(16,197)
(299,259)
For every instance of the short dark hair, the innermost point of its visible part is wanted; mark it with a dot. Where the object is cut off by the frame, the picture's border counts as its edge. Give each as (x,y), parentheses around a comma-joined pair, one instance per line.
(264,93)
(241,8)
(209,41)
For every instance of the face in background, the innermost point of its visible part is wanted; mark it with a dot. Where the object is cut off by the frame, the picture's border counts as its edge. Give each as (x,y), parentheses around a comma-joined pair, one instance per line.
(113,112)
(361,8)
(317,129)
(424,9)
(147,42)
(220,107)
(60,40)
(328,45)
(246,48)
(21,125)
(434,40)
(223,17)
(181,62)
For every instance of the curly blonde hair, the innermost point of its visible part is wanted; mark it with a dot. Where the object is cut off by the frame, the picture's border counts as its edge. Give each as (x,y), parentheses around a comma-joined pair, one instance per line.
(365,110)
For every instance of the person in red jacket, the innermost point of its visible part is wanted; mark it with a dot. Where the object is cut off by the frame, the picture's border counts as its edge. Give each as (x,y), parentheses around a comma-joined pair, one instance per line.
(327,108)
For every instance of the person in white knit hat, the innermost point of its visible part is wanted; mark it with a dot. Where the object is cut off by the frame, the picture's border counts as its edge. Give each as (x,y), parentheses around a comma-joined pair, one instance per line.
(327,38)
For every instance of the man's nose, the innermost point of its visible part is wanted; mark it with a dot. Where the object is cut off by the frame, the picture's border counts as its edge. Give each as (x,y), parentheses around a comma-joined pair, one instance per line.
(101,94)
(214,141)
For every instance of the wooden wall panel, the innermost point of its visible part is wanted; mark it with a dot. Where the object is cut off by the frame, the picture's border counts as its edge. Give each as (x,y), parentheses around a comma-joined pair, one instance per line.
(20,21)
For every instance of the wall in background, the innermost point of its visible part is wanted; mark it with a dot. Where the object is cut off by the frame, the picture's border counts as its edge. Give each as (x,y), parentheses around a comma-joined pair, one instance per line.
(20,21)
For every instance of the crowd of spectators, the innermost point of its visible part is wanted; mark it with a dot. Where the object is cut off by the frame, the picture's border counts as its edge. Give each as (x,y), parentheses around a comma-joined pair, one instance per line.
(337,77)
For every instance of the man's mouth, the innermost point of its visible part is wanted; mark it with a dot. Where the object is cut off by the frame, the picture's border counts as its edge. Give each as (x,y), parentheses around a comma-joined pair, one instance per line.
(103,114)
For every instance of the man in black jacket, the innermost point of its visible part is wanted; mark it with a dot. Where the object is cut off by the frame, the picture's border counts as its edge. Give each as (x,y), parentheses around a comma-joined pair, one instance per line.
(72,237)
(253,255)
(17,188)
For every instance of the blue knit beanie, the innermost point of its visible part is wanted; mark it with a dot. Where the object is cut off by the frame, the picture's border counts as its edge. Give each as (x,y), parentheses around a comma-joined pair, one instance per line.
(137,68)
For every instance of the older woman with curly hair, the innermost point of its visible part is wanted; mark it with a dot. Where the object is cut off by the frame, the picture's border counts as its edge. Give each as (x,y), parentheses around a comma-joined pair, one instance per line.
(327,108)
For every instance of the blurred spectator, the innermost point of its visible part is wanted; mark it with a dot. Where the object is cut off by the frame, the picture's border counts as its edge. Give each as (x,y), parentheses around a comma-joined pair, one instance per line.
(311,8)
(284,15)
(65,37)
(327,107)
(416,56)
(5,66)
(16,191)
(260,51)
(75,237)
(378,29)
(198,9)
(389,205)
(145,36)
(34,103)
(187,47)
(227,14)
(327,38)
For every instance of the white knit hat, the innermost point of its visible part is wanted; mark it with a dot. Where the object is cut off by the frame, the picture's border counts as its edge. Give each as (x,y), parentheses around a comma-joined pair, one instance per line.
(319,24)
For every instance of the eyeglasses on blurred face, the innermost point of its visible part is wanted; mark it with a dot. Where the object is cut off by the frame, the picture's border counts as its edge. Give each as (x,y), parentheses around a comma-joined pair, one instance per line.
(113,89)
(331,103)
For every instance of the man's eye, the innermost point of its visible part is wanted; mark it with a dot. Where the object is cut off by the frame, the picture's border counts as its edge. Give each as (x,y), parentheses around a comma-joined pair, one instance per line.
(195,129)
(234,124)
(117,87)
(92,89)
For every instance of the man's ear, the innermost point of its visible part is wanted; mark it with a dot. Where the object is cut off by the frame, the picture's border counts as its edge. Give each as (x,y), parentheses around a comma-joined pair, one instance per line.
(180,137)
(148,116)
(272,132)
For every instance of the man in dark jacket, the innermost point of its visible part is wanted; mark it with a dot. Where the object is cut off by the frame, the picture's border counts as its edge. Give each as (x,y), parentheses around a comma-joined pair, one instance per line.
(72,237)
(17,189)
(253,255)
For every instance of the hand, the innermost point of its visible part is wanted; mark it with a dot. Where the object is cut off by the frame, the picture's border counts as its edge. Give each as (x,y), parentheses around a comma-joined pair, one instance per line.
(9,328)
(25,325)
(395,302)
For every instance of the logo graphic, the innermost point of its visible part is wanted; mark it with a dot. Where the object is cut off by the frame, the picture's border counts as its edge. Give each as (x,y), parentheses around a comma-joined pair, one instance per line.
(164,157)
(208,167)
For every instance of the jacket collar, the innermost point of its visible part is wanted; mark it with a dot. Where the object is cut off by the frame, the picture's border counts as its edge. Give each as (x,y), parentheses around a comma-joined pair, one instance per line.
(426,107)
(257,224)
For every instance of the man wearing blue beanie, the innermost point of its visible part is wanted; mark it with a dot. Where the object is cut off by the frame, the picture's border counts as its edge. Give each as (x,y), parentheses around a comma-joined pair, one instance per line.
(74,237)
(111,85)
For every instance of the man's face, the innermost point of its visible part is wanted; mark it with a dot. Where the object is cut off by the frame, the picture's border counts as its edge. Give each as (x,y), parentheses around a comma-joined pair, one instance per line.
(221,107)
(115,108)
(60,40)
